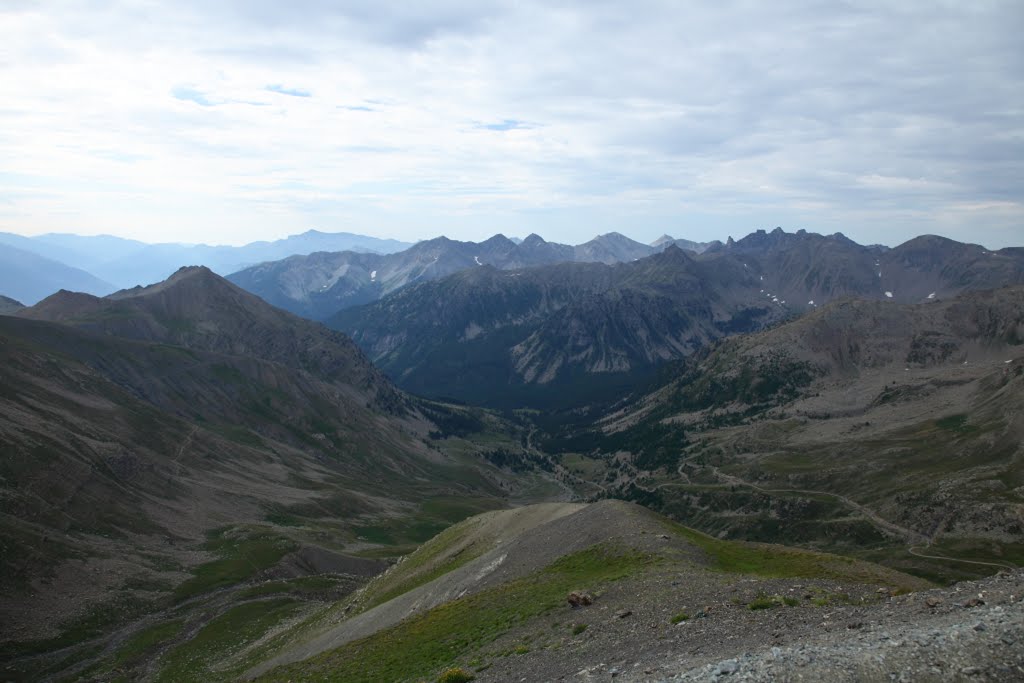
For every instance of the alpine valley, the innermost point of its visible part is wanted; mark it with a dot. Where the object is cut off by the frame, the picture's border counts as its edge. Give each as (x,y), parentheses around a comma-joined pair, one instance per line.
(783,457)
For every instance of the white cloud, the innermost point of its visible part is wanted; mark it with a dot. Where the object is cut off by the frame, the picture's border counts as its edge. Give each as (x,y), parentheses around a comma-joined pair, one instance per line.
(256,119)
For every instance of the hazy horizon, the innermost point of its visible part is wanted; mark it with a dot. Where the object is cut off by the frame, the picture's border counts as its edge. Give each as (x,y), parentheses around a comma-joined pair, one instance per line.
(482,238)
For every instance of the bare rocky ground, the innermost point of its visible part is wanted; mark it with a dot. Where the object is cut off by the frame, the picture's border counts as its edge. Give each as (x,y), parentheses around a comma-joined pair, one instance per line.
(971,632)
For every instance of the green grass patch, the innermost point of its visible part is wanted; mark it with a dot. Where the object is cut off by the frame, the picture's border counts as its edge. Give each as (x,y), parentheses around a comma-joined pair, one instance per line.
(578,629)
(401,531)
(763,559)
(956,424)
(680,618)
(196,659)
(455,675)
(828,599)
(769,601)
(242,555)
(455,509)
(146,640)
(764,602)
(431,641)
(302,586)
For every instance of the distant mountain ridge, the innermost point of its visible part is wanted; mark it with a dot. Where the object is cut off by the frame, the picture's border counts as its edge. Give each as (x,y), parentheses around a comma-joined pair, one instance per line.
(127,263)
(477,334)
(29,277)
(321,284)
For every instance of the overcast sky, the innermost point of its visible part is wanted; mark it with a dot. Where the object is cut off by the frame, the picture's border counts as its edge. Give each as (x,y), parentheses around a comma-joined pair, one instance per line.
(228,121)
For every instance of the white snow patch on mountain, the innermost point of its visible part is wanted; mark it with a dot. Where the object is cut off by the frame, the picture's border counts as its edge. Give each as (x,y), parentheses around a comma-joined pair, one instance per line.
(888,295)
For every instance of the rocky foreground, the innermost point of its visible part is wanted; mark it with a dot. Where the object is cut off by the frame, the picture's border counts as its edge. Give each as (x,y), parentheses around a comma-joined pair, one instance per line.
(973,631)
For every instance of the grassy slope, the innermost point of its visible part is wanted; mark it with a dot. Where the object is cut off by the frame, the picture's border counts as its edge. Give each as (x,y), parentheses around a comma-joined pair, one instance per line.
(461,631)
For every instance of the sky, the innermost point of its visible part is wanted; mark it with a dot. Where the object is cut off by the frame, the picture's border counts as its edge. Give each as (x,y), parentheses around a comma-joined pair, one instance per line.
(230,121)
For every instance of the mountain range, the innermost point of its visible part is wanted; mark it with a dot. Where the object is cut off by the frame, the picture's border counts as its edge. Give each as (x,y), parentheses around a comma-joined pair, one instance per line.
(319,285)
(111,262)
(28,277)
(485,335)
(198,485)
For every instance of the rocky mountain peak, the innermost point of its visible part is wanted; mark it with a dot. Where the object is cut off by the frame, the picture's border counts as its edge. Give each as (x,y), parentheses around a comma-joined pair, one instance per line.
(497,240)
(533,240)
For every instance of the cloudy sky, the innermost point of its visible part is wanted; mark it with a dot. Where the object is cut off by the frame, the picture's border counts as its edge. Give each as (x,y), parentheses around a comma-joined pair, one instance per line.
(228,121)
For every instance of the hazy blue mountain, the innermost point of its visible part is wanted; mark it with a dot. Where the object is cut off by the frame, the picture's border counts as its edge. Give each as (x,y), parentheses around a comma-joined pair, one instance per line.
(321,284)
(127,263)
(29,277)
(610,248)
(88,252)
(698,247)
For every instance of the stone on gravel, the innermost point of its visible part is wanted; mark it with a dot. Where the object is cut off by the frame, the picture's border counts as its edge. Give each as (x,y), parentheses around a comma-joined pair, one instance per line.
(580,599)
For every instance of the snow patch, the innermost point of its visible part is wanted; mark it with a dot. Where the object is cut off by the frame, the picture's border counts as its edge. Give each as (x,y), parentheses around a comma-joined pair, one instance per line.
(888,295)
(373,274)
(932,295)
(811,302)
(477,259)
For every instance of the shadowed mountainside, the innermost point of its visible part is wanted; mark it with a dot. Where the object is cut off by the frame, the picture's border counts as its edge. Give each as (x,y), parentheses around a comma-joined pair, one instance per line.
(177,440)
(481,335)
(487,335)
(867,427)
